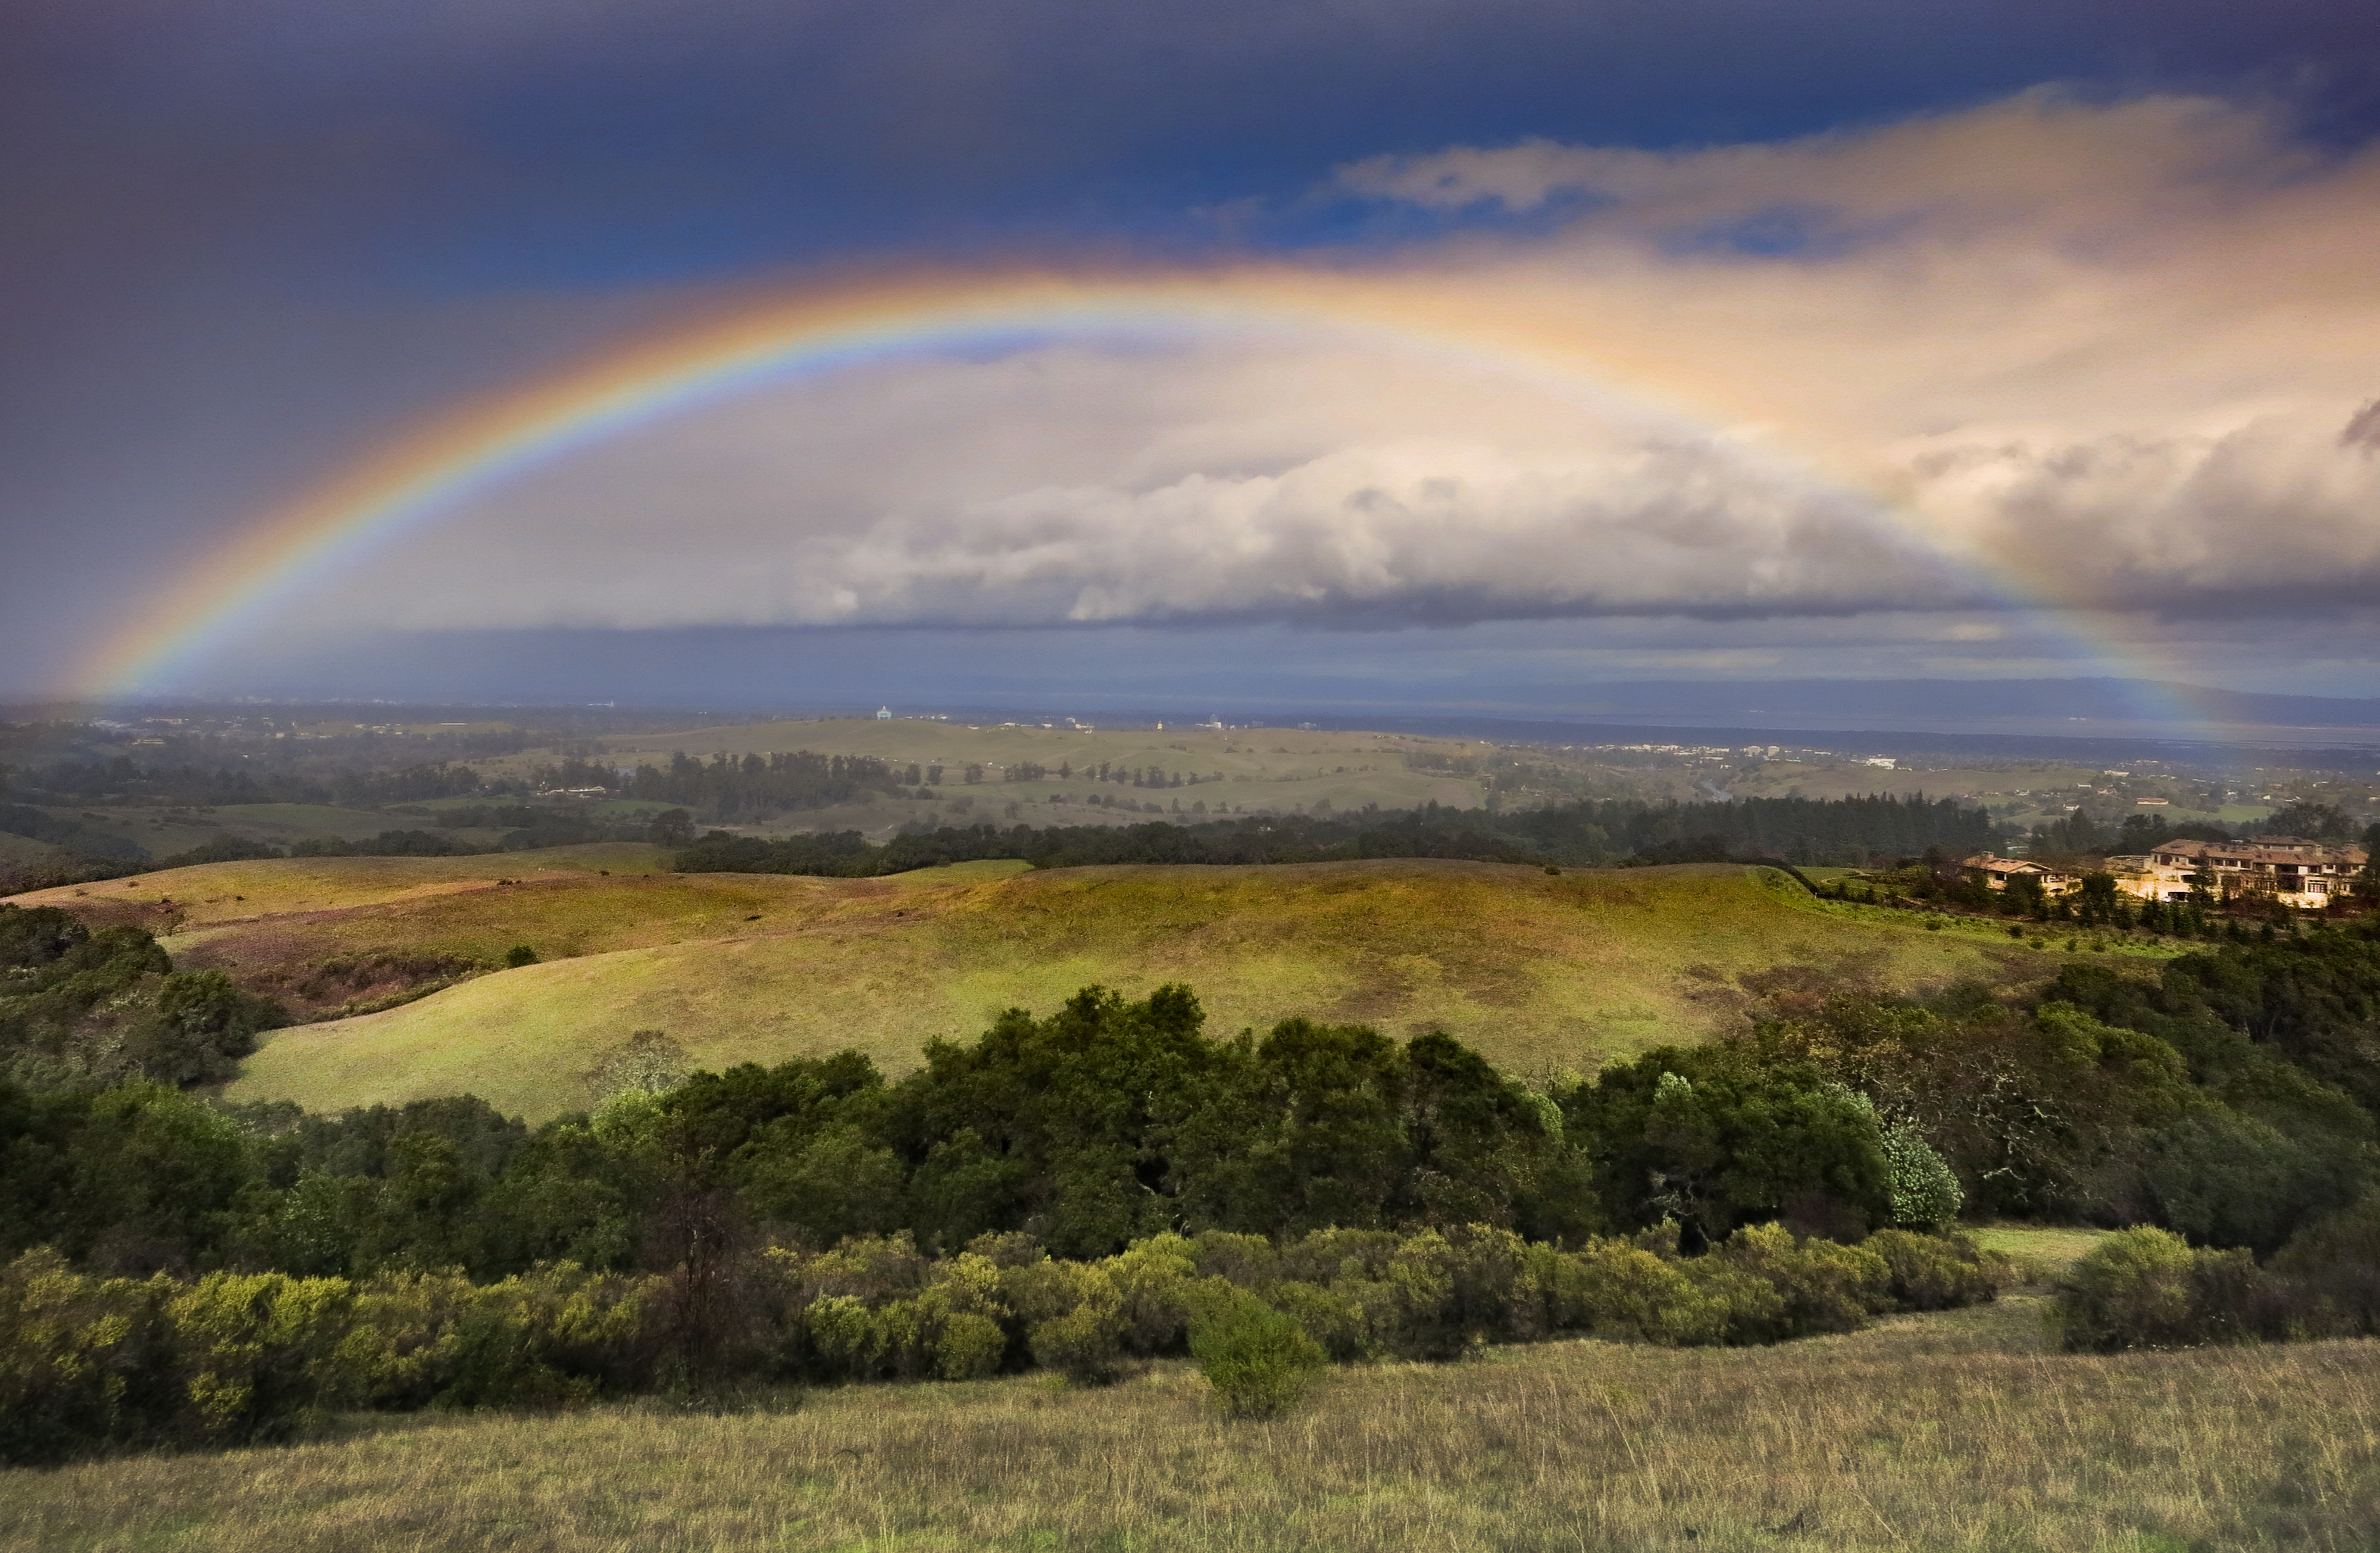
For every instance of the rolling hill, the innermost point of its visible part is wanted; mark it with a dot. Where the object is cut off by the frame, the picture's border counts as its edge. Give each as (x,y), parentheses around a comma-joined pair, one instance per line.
(1536,970)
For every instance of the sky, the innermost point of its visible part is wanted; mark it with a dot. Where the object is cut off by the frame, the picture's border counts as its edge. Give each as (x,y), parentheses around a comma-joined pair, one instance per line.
(1896,340)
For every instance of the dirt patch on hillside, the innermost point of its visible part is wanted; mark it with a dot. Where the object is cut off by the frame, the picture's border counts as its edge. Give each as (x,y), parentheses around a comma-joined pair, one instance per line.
(341,986)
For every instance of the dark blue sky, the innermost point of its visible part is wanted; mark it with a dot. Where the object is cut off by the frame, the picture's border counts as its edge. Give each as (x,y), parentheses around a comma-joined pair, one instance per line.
(238,238)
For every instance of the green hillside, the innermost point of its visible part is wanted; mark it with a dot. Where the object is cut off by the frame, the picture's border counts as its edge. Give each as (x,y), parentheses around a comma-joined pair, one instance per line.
(211,894)
(1534,969)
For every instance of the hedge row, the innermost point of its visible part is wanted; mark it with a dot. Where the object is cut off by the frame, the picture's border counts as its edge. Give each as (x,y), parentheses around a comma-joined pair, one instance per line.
(89,1364)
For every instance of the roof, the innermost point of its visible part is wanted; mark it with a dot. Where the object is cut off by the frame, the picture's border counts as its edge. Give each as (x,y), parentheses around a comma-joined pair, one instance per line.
(1992,864)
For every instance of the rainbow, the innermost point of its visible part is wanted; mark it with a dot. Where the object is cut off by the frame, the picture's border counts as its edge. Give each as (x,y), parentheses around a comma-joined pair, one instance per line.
(821,328)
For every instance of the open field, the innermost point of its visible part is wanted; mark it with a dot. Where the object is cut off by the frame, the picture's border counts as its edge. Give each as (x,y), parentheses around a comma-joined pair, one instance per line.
(1535,970)
(1282,769)
(24,849)
(1950,1431)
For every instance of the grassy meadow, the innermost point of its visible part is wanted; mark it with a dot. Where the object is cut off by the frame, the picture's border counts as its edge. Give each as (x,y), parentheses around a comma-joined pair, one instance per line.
(1277,769)
(1959,1430)
(1535,970)
(208,895)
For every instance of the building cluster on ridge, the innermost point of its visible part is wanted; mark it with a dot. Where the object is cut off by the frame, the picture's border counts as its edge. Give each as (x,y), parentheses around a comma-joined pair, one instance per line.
(2287,868)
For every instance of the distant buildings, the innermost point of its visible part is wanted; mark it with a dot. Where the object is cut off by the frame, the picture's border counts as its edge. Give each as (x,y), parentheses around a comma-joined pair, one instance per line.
(1995,872)
(2304,874)
(884,714)
(2296,872)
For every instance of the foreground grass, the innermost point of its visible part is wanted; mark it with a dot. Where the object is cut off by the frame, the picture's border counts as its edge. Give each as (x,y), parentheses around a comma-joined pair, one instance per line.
(1532,969)
(1949,1431)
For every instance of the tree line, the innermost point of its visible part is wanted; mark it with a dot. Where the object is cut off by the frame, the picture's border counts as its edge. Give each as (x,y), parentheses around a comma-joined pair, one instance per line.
(1585,834)
(125,781)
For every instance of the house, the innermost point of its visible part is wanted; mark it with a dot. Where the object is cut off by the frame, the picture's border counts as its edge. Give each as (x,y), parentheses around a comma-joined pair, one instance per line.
(2287,868)
(1995,872)
(884,714)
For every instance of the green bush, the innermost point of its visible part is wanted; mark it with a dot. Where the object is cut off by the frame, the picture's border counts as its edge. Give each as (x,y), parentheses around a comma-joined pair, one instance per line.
(1925,1191)
(1085,1345)
(1152,1280)
(2332,1268)
(399,1351)
(1938,1272)
(969,1347)
(1820,1286)
(844,1336)
(1626,1293)
(557,1336)
(2148,1288)
(257,1352)
(84,1363)
(1257,1359)
(1330,1316)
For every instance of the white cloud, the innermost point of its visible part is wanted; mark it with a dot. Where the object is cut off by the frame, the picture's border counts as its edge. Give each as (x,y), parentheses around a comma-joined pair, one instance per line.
(2128,351)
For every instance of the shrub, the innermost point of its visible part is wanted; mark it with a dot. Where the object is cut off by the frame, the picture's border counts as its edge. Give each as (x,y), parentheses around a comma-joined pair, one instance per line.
(257,1352)
(1330,1316)
(1257,1359)
(399,1351)
(1925,1191)
(2131,1290)
(843,1335)
(2333,1268)
(2148,1288)
(83,1363)
(1085,1345)
(557,1336)
(1627,1293)
(1937,1272)
(969,1346)
(1152,1280)
(1820,1286)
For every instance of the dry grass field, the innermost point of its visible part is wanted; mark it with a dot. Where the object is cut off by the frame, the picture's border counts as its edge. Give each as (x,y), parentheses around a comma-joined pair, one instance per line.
(1952,1431)
(1536,970)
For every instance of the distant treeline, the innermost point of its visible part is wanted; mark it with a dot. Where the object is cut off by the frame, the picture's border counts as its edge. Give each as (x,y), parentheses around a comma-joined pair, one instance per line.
(1801,830)
(1804,831)
(23,819)
(125,780)
(2078,835)
(729,788)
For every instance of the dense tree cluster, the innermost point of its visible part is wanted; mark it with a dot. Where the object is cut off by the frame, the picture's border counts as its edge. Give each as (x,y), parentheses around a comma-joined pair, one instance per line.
(1585,834)
(125,780)
(80,1005)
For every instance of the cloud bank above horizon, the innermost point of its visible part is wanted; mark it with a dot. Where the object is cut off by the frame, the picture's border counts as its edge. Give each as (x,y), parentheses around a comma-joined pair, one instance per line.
(2126,353)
